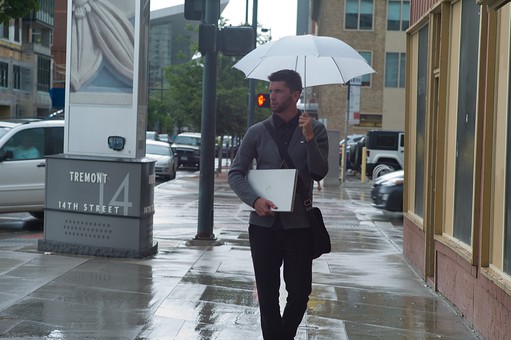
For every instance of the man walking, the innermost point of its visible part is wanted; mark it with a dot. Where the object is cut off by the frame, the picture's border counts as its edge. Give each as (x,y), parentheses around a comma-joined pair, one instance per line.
(281,238)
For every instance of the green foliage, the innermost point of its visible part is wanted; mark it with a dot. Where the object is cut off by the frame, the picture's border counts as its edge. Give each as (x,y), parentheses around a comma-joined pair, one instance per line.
(159,118)
(12,9)
(181,105)
(232,98)
(184,97)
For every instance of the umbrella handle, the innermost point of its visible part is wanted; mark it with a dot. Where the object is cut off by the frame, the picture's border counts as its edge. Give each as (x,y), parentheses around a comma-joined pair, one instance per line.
(305,84)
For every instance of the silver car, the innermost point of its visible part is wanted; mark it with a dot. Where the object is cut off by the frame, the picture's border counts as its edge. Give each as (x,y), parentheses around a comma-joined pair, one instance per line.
(23,145)
(166,163)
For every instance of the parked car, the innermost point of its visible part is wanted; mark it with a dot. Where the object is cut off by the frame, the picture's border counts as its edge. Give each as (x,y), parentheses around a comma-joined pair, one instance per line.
(355,154)
(23,146)
(352,140)
(186,147)
(152,135)
(385,147)
(387,191)
(166,163)
(164,137)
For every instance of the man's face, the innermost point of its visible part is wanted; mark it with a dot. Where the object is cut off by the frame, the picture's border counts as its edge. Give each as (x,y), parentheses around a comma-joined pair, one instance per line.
(281,97)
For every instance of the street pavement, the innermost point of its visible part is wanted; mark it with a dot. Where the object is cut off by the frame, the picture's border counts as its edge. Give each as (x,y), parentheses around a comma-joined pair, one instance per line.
(195,289)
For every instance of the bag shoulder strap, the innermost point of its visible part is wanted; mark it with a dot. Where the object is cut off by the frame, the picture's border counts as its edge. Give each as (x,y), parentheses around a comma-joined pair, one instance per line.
(302,192)
(280,145)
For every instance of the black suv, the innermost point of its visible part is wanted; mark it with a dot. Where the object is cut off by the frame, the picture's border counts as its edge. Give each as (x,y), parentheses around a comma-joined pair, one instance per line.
(186,147)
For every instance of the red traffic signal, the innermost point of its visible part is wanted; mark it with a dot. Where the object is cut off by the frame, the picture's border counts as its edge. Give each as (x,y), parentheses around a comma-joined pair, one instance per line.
(263,100)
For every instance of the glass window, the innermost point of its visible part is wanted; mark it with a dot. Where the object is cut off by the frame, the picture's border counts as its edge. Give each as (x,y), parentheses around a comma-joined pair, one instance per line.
(26,144)
(55,136)
(16,75)
(4,74)
(391,69)
(394,15)
(366,14)
(43,74)
(17,30)
(161,150)
(351,20)
(405,23)
(46,11)
(420,124)
(398,15)
(366,79)
(359,15)
(402,70)
(395,65)
(4,31)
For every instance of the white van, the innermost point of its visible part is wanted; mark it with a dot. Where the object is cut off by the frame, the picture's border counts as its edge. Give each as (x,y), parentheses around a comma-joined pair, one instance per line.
(23,146)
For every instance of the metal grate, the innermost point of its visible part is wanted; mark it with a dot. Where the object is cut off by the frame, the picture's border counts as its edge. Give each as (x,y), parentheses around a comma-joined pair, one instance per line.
(87,229)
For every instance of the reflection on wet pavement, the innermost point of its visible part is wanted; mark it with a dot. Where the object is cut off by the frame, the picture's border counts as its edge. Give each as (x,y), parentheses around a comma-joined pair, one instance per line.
(364,289)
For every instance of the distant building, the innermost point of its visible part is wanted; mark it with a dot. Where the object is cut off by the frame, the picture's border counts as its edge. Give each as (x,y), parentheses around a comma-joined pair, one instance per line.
(170,39)
(376,29)
(26,63)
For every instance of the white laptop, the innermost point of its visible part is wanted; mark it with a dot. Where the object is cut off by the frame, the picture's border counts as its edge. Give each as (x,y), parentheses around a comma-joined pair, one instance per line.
(276,185)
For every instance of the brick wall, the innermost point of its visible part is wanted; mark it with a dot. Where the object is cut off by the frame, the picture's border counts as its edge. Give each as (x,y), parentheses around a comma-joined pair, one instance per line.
(332,99)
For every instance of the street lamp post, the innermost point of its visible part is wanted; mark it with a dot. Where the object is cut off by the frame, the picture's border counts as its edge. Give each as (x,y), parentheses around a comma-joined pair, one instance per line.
(251,82)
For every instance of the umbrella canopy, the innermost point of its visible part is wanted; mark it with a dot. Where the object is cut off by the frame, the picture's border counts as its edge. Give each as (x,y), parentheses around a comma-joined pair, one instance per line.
(319,60)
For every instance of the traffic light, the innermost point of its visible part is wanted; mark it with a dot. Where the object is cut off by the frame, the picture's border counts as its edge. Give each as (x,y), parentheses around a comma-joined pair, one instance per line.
(263,100)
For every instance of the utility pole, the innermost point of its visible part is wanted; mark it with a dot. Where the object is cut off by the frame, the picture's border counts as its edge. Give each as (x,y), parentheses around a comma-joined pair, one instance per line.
(251,82)
(208,131)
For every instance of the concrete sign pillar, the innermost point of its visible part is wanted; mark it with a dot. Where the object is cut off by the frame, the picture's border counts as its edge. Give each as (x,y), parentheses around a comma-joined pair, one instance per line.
(99,193)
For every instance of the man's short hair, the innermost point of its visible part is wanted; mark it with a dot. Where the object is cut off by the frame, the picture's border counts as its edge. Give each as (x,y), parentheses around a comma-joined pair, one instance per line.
(290,77)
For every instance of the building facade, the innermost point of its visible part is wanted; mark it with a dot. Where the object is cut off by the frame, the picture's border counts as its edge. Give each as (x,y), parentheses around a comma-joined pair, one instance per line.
(457,204)
(26,63)
(170,42)
(376,29)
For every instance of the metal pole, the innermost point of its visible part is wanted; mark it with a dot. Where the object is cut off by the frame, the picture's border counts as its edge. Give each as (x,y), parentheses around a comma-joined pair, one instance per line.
(246,12)
(251,82)
(346,134)
(208,131)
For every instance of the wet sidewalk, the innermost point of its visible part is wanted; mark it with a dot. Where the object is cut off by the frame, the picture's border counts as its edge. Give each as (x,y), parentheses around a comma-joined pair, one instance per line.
(364,289)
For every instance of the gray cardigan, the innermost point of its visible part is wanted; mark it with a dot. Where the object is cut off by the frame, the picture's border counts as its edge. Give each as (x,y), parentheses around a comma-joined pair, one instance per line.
(311,160)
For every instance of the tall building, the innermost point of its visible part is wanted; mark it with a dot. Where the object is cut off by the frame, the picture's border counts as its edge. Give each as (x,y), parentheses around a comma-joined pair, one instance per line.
(26,63)
(170,39)
(376,29)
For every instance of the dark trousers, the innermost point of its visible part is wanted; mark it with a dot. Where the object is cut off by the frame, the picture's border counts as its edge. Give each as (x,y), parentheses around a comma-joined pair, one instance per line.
(270,249)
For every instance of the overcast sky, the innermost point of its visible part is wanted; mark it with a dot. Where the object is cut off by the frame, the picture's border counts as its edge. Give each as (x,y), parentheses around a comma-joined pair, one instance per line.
(277,15)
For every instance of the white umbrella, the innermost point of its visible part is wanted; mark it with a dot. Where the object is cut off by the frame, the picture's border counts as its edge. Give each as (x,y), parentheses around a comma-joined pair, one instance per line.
(319,60)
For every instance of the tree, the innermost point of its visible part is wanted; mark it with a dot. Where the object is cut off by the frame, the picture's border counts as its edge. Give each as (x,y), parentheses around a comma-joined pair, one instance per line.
(231,94)
(183,99)
(12,9)
(158,117)
(184,96)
